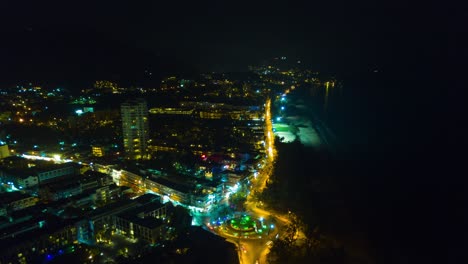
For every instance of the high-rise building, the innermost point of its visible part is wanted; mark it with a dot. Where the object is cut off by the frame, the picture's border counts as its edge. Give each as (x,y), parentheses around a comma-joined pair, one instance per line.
(98,151)
(135,128)
(4,152)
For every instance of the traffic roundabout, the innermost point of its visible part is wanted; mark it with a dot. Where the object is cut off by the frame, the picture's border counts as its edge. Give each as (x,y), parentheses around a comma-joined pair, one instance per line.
(246,226)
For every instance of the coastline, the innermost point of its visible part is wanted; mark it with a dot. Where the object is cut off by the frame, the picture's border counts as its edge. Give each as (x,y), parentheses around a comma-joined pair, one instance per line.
(311,131)
(305,131)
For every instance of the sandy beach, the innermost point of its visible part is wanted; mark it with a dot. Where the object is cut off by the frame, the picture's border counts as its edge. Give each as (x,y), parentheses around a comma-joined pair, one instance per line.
(306,131)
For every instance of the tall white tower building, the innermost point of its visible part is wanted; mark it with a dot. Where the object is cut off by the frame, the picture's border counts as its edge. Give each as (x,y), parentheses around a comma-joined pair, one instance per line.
(135,128)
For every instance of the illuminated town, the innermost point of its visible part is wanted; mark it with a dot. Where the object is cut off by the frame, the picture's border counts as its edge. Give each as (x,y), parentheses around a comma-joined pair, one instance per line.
(256,132)
(104,181)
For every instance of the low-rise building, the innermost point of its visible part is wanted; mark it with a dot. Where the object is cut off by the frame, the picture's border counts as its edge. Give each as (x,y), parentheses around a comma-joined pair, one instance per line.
(54,171)
(91,179)
(20,178)
(127,178)
(35,239)
(16,200)
(145,221)
(27,181)
(138,218)
(171,110)
(164,187)
(149,228)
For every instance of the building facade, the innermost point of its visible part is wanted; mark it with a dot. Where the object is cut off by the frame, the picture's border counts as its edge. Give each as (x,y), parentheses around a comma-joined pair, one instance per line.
(135,128)
(15,201)
(50,174)
(4,152)
(98,151)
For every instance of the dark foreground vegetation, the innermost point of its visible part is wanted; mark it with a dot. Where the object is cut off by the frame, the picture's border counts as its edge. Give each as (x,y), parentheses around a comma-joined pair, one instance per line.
(312,185)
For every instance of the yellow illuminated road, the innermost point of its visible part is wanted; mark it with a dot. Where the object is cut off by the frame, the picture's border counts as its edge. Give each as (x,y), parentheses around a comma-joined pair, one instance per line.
(270,139)
(260,183)
(253,251)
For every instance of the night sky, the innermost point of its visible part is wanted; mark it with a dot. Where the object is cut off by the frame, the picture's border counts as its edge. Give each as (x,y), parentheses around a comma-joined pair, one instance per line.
(210,36)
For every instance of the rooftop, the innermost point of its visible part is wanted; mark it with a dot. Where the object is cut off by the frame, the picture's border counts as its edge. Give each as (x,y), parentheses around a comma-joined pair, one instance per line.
(184,188)
(9,197)
(148,222)
(148,198)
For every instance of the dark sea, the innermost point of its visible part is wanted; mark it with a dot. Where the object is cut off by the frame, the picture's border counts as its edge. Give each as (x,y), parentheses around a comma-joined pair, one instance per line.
(402,139)
(348,115)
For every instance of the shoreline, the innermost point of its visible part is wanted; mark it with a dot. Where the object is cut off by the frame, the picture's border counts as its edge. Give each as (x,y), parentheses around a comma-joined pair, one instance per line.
(314,133)
(305,131)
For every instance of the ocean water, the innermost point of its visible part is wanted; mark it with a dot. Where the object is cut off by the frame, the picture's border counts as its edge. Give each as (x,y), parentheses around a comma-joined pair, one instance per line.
(406,138)
(333,116)
(353,117)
